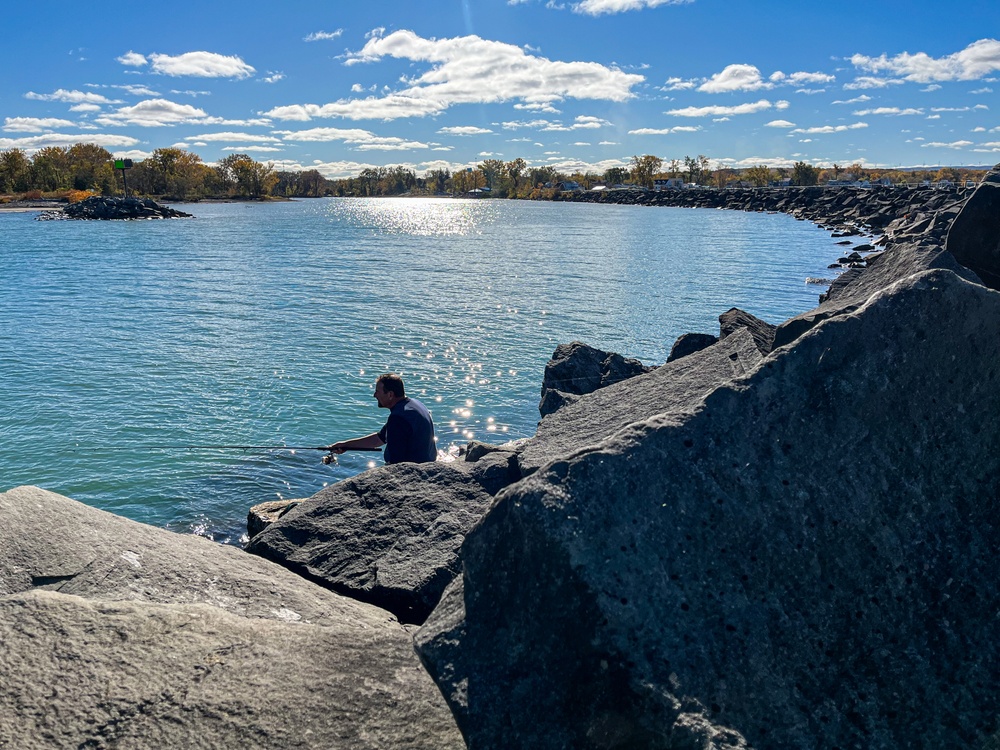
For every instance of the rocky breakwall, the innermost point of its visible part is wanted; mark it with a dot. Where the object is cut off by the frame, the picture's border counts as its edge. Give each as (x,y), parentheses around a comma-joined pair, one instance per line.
(795,549)
(116,634)
(900,213)
(109,208)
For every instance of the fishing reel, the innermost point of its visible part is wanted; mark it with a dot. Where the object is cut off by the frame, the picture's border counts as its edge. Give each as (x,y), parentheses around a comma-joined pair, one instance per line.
(329,458)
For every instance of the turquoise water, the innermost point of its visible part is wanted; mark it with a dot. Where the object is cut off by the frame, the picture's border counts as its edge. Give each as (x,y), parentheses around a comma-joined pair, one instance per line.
(267,324)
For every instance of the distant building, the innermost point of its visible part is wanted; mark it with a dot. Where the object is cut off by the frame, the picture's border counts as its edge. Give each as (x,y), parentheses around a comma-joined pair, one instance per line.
(668,183)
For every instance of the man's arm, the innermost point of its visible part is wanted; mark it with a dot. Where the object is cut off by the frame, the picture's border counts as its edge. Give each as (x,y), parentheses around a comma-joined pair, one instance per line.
(366,443)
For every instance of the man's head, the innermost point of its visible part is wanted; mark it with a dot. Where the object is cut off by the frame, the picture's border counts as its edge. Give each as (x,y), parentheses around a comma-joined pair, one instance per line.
(389,390)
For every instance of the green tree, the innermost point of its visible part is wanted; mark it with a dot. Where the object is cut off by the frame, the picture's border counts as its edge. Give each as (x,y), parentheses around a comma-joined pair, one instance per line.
(90,168)
(643,168)
(615,175)
(50,168)
(804,174)
(15,171)
(492,169)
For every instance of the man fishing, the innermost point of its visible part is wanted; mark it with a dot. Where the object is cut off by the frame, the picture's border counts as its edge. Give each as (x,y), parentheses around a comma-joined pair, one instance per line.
(408,434)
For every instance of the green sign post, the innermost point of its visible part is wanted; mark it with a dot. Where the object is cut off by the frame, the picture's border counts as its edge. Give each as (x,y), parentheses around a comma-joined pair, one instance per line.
(124,164)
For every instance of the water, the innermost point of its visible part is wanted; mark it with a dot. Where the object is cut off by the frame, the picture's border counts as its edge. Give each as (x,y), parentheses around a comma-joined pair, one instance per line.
(267,324)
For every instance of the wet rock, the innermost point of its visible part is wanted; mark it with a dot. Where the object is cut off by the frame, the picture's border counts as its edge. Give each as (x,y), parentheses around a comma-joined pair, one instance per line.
(389,536)
(117,634)
(974,238)
(735,557)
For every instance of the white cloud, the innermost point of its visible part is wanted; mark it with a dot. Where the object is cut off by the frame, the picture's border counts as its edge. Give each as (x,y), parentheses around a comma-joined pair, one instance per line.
(35,142)
(801,78)
(133,59)
(779,124)
(739,109)
(868,82)
(154,113)
(229,136)
(976,61)
(983,90)
(362,140)
(464,130)
(856,100)
(599,7)
(888,111)
(317,36)
(469,70)
(85,108)
(253,149)
(954,145)
(831,128)
(664,131)
(34,124)
(678,84)
(931,87)
(735,78)
(272,77)
(201,64)
(73,97)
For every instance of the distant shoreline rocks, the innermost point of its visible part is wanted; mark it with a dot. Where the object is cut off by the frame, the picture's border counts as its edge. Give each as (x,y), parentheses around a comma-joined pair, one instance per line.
(106,208)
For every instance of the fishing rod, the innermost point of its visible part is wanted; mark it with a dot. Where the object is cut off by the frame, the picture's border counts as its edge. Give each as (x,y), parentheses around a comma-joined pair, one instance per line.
(325,448)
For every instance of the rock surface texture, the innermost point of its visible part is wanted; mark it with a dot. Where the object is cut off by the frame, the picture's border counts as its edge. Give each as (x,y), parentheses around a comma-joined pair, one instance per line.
(974,237)
(116,634)
(576,369)
(804,558)
(389,536)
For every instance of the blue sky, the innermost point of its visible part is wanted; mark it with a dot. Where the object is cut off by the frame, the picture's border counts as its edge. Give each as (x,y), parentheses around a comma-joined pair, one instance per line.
(579,84)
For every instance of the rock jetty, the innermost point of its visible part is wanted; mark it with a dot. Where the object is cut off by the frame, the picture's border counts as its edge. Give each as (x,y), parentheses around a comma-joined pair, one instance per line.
(900,214)
(111,208)
(786,536)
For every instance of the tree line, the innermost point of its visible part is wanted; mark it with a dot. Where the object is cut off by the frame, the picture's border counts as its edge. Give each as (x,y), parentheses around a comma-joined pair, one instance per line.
(177,174)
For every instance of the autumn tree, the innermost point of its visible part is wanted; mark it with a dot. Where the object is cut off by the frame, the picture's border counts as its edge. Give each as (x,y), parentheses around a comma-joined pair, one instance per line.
(246,176)
(540,176)
(759,175)
(513,171)
(643,168)
(15,171)
(437,180)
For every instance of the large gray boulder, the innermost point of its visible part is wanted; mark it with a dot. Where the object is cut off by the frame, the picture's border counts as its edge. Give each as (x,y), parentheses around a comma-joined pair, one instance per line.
(389,536)
(577,368)
(117,634)
(853,288)
(734,319)
(974,237)
(807,559)
(675,386)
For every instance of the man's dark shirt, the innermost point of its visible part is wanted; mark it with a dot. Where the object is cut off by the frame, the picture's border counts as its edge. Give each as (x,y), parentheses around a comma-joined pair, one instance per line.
(408,434)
